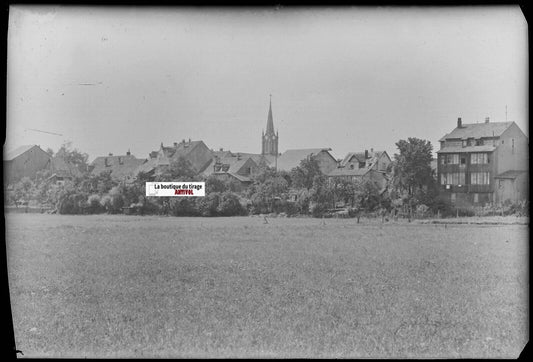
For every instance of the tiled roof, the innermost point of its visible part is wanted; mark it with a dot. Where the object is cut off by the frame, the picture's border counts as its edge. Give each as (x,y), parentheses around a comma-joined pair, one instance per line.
(147,166)
(512,174)
(119,170)
(233,163)
(478,130)
(292,158)
(360,156)
(8,156)
(459,149)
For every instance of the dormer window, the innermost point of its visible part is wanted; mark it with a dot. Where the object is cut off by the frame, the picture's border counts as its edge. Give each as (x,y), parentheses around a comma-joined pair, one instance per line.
(352,166)
(479,142)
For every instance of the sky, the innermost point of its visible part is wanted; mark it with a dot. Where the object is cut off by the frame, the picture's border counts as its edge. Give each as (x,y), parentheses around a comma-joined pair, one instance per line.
(113,79)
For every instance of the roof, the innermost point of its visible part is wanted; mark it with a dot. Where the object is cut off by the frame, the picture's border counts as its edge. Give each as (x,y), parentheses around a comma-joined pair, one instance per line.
(18,151)
(360,156)
(346,171)
(234,163)
(292,158)
(373,156)
(181,149)
(511,174)
(120,166)
(478,130)
(147,166)
(459,149)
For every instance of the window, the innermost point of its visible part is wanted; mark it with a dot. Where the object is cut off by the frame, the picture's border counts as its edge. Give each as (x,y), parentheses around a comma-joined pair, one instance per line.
(451,159)
(465,143)
(479,158)
(452,178)
(479,142)
(453,197)
(351,166)
(480,178)
(463,160)
(476,198)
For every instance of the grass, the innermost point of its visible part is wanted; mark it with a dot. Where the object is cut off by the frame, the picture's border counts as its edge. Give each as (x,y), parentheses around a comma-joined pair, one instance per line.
(119,286)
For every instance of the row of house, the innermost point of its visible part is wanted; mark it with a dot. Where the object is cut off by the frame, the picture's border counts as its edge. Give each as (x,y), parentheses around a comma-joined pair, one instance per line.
(477,163)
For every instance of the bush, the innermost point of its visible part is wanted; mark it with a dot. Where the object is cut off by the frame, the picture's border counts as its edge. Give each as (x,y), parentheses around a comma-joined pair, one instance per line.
(208,204)
(71,202)
(94,206)
(230,205)
(183,206)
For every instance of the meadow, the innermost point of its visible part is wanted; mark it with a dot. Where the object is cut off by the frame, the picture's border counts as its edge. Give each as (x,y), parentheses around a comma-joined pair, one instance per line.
(132,286)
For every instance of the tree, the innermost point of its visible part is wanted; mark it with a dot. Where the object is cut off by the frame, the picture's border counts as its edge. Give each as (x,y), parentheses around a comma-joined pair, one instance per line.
(267,186)
(412,171)
(304,174)
(50,151)
(73,156)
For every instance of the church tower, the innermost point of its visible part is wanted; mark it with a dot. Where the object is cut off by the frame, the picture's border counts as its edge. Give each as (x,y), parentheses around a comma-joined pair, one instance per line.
(270,139)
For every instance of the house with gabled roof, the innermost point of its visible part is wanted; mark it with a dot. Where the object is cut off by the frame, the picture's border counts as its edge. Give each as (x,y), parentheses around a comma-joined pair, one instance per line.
(484,163)
(61,170)
(123,167)
(233,166)
(24,161)
(292,158)
(196,152)
(373,165)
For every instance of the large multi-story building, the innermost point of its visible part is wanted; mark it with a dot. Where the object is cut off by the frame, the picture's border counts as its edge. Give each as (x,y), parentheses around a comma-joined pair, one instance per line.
(483,163)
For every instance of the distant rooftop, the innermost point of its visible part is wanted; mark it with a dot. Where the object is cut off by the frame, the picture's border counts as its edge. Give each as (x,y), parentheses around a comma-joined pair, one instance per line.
(478,130)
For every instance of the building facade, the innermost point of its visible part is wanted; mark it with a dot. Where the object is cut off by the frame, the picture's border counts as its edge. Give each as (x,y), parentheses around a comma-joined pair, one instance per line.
(473,157)
(24,161)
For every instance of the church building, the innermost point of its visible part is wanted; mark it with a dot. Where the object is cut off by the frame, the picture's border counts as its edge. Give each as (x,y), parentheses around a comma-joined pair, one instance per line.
(270,139)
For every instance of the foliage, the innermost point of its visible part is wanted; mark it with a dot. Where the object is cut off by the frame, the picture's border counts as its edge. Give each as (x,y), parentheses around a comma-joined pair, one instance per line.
(303,176)
(229,205)
(73,156)
(267,187)
(412,165)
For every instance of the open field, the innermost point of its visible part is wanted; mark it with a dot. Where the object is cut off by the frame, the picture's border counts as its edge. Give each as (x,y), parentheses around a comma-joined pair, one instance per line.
(119,286)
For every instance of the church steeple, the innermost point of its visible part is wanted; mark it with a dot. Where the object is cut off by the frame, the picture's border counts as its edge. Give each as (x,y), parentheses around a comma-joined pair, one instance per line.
(270,120)
(269,138)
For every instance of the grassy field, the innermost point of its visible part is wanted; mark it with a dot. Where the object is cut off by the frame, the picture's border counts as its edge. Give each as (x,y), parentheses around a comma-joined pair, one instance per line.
(119,286)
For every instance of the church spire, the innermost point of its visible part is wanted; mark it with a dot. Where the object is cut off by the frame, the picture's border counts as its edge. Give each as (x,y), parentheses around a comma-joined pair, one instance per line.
(270,121)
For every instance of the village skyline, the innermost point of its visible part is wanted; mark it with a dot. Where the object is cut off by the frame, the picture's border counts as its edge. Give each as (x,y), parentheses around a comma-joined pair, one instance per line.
(109,80)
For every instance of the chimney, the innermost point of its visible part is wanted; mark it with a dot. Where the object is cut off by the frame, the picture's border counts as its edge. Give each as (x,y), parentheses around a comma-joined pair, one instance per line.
(189,140)
(487,119)
(128,153)
(110,154)
(459,123)
(175,144)
(221,149)
(183,141)
(366,153)
(371,151)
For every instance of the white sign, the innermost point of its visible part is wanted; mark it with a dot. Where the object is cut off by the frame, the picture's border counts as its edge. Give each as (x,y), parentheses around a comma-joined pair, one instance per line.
(175,189)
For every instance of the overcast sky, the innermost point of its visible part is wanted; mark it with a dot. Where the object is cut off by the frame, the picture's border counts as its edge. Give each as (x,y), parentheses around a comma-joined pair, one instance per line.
(113,79)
